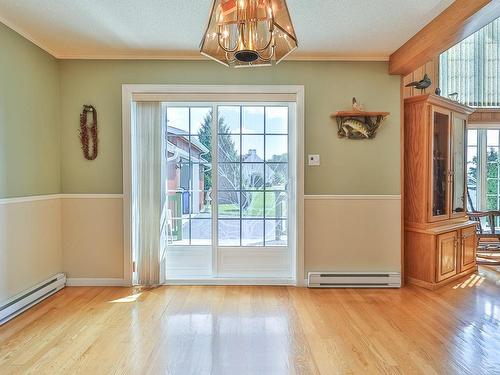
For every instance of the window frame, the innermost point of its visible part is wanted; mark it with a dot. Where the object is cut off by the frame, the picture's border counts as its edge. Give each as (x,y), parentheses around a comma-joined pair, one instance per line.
(166,92)
(481,203)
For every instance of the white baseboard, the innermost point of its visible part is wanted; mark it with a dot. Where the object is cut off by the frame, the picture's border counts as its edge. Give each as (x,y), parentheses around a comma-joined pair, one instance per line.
(210,281)
(233,281)
(96,282)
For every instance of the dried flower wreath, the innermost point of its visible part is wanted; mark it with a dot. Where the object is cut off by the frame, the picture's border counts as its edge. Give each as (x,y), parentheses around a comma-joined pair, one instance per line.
(87,131)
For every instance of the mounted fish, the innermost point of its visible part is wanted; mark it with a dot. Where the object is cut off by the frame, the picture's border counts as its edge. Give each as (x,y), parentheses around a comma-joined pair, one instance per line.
(353,128)
(358,124)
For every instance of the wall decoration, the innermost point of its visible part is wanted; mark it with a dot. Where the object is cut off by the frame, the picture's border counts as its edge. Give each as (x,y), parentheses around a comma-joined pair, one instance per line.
(358,124)
(453,96)
(357,106)
(422,84)
(88,132)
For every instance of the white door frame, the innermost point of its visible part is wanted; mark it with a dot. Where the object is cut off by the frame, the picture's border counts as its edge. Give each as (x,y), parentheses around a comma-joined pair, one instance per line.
(157,93)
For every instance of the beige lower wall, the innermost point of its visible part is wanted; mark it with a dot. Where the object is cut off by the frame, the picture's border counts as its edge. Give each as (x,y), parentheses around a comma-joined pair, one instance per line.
(30,243)
(92,236)
(82,235)
(358,233)
(342,233)
(45,235)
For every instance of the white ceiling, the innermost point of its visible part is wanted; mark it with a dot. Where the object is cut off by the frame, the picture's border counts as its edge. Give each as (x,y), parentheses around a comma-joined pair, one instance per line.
(327,29)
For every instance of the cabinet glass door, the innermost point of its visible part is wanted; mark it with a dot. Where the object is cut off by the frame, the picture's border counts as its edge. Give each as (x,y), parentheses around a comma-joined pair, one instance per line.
(458,166)
(440,163)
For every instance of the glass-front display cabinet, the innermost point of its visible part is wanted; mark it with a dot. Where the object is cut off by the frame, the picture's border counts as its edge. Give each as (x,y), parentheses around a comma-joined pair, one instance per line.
(440,240)
(440,163)
(447,195)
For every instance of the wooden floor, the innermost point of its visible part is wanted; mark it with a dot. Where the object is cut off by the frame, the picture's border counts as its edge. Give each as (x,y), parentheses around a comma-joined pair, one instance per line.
(258,330)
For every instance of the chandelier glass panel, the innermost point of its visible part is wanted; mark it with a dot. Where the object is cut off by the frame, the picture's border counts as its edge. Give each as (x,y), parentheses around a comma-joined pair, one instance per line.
(244,33)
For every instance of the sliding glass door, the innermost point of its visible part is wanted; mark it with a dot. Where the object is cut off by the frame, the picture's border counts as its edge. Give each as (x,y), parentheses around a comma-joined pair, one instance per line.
(229,190)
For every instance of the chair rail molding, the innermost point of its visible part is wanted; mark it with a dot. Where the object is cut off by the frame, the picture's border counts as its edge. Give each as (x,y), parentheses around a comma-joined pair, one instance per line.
(34,198)
(351,197)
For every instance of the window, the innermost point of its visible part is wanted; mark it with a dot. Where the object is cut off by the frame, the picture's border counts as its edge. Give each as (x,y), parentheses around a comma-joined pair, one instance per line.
(472,68)
(472,167)
(483,166)
(250,157)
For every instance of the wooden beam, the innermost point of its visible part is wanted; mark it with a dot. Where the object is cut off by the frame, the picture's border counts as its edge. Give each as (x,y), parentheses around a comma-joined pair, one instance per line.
(461,19)
(485,116)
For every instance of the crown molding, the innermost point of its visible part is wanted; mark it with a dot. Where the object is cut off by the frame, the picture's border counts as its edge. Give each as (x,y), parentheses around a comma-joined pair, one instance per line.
(198,57)
(27,36)
(179,56)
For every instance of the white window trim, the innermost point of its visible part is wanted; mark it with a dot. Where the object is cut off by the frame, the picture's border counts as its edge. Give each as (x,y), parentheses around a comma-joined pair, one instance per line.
(482,150)
(248,92)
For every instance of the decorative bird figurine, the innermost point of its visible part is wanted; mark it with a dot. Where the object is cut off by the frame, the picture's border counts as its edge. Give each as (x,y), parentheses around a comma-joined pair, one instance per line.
(453,96)
(422,84)
(356,107)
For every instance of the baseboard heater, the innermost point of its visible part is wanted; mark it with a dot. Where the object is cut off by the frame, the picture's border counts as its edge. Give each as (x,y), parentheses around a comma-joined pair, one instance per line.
(354,280)
(24,300)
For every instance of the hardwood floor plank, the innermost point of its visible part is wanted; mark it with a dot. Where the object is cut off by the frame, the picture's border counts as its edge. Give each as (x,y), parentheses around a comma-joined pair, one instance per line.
(258,330)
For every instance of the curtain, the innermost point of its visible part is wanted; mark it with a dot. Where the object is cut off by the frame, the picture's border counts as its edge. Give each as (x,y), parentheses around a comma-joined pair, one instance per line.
(146,194)
(472,68)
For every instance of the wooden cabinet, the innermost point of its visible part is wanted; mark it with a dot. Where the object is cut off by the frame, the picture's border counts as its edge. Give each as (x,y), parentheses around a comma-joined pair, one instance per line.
(440,242)
(468,249)
(447,255)
(456,252)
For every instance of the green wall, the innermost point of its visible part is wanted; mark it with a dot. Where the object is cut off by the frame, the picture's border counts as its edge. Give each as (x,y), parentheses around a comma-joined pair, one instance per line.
(41,98)
(347,167)
(29,118)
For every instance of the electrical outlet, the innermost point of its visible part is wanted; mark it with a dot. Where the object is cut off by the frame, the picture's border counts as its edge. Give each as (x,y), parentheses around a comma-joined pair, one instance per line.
(314,160)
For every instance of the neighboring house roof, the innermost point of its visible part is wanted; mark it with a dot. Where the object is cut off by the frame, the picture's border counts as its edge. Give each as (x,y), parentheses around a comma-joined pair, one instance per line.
(177,151)
(194,140)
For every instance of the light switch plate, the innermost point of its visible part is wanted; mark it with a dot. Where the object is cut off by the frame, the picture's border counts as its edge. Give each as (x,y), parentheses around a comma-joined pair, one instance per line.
(314,160)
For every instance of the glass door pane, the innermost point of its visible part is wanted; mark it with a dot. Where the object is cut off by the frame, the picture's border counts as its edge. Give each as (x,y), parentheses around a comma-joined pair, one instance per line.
(189,175)
(440,160)
(229,199)
(252,175)
(188,186)
(458,185)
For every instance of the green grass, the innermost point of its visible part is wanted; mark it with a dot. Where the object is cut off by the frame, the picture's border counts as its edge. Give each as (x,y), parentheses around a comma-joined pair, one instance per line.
(255,209)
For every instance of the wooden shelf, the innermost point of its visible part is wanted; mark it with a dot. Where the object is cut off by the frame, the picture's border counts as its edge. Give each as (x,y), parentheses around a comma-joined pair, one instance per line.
(359,114)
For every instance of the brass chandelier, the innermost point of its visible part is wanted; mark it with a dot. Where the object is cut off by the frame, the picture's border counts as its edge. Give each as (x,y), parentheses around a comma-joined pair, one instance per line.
(245,33)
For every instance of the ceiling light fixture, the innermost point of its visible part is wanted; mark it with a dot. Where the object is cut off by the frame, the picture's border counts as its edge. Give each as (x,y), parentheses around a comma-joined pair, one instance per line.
(245,33)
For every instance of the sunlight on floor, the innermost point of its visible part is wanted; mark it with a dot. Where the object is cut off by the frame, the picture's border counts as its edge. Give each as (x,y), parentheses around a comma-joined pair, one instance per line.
(131,298)
(472,281)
